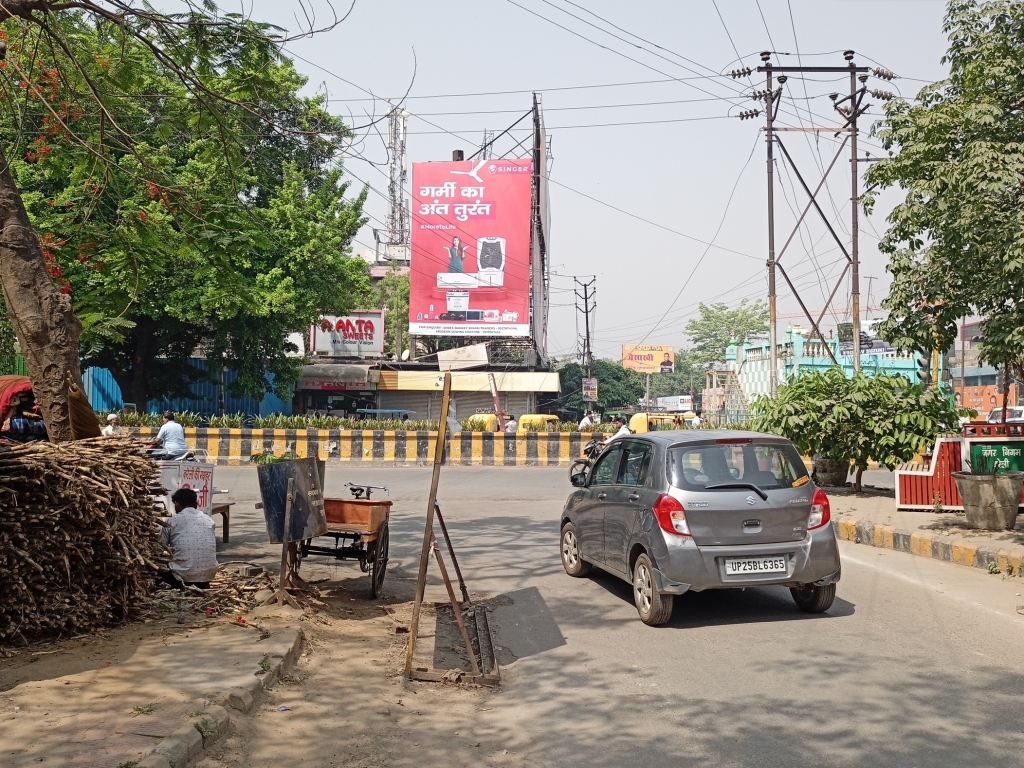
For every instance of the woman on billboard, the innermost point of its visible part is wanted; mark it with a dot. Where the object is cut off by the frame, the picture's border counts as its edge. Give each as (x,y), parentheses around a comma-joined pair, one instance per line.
(456,254)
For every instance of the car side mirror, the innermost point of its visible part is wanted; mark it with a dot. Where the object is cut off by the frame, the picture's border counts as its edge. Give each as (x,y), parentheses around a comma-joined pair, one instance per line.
(579,480)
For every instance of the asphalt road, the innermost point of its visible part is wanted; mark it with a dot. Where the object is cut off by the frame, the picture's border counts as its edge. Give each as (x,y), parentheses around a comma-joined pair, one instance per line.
(918,664)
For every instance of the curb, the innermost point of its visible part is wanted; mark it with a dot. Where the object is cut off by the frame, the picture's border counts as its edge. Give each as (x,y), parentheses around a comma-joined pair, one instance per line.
(958,551)
(187,745)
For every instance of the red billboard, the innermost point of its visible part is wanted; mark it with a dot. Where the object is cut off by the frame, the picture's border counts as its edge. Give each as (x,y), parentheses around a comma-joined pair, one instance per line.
(470,263)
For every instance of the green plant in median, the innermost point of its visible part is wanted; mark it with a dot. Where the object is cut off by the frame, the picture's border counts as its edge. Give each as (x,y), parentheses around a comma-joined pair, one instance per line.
(842,420)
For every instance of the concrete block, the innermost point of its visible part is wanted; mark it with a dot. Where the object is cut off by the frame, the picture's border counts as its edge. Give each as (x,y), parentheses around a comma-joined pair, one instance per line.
(182,747)
(154,761)
(219,718)
(241,699)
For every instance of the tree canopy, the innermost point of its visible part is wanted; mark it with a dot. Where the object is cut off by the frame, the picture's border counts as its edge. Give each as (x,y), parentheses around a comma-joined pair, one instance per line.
(718,326)
(616,386)
(181,209)
(956,243)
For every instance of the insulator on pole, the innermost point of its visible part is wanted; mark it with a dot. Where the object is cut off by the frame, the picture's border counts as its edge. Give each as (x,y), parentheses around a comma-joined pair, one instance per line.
(738,73)
(883,95)
(749,113)
(883,73)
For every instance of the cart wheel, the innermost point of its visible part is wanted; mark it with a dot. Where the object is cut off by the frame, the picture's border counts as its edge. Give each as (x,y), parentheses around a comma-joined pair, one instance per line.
(380,562)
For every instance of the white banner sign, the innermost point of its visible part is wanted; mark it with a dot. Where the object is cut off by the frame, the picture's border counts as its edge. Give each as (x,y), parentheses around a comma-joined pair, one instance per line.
(360,334)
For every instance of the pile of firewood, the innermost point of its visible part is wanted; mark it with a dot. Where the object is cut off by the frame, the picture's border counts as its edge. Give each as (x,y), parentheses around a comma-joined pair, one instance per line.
(79,536)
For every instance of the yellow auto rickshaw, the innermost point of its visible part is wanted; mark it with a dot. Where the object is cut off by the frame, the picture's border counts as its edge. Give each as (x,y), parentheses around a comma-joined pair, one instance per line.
(536,422)
(652,422)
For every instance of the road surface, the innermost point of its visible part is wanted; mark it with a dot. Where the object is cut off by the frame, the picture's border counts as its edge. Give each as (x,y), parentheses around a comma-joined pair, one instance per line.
(918,663)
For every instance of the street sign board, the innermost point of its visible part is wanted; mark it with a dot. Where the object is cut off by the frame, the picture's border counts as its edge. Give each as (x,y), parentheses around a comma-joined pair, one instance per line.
(590,390)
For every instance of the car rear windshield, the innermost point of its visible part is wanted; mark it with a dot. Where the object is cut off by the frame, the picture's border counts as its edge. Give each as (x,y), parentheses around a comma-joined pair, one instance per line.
(768,465)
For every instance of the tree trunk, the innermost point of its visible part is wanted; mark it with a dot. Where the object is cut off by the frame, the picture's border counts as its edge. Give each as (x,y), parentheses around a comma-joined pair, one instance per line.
(857,487)
(43,319)
(143,337)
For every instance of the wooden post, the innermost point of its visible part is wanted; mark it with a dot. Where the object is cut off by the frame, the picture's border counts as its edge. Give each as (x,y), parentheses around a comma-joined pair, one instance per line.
(281,597)
(428,532)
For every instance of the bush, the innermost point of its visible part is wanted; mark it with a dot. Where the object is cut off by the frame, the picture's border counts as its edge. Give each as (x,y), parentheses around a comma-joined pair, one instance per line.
(841,420)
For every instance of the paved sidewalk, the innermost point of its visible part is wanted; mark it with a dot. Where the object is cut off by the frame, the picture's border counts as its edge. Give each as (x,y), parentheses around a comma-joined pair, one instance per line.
(124,710)
(872,518)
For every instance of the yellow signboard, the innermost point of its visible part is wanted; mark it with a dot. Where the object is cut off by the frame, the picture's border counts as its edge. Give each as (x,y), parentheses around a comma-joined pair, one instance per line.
(649,358)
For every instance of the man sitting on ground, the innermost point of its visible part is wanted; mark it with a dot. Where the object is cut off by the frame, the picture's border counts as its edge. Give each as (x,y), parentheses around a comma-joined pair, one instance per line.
(190,535)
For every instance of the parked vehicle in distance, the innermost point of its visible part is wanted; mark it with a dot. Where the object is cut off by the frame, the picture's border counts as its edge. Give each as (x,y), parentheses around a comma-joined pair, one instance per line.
(1014,414)
(536,422)
(679,511)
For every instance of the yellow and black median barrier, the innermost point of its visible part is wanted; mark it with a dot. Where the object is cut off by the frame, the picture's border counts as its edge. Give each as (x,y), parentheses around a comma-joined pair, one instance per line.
(498,449)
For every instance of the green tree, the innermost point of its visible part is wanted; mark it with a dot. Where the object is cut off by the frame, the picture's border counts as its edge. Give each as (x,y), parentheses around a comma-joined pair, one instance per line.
(87,74)
(956,242)
(616,387)
(688,378)
(173,245)
(392,295)
(845,420)
(718,326)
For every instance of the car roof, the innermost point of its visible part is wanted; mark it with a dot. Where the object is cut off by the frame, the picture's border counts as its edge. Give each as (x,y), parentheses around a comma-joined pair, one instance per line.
(677,436)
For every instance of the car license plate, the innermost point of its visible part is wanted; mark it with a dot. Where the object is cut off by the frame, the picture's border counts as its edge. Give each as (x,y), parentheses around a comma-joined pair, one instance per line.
(739,566)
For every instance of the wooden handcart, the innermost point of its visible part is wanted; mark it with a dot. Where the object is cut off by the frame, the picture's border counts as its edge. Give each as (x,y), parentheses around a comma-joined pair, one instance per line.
(359,527)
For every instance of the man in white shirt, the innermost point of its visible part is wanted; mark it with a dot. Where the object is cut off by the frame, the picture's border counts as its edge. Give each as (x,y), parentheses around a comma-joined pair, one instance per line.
(113,428)
(171,436)
(511,425)
(623,430)
(586,423)
(696,421)
(190,535)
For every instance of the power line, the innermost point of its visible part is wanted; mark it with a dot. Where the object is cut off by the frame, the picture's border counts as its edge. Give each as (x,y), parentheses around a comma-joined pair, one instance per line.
(701,259)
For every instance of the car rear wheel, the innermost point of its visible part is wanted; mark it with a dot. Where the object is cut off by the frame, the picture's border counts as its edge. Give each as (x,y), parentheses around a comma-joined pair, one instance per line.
(812,598)
(572,562)
(654,607)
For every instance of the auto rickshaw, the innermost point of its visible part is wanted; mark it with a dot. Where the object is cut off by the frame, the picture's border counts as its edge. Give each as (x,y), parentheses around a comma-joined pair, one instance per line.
(536,422)
(653,422)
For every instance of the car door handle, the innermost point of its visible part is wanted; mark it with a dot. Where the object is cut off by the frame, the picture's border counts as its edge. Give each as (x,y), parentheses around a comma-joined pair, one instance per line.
(602,496)
(634,497)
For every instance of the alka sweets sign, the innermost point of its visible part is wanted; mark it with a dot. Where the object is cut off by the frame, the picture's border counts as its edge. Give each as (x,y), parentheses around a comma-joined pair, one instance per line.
(470,262)
(360,334)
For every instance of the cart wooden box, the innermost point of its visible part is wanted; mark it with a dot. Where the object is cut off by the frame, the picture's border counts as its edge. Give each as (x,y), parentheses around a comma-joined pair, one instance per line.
(362,516)
(359,528)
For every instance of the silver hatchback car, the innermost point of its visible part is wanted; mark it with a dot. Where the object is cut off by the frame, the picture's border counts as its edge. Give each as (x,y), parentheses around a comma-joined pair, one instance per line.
(680,511)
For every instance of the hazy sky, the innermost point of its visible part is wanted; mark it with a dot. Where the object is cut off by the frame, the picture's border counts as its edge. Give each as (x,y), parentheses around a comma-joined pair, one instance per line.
(675,163)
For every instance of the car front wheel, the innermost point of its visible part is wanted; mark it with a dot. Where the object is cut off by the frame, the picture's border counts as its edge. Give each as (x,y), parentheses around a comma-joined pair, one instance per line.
(654,607)
(570,545)
(811,598)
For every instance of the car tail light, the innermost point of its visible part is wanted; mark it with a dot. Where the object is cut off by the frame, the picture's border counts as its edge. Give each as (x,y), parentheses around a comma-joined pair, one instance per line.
(671,515)
(821,512)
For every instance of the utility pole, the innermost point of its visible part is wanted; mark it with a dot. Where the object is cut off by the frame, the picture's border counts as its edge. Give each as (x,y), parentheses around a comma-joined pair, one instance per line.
(772,98)
(854,205)
(487,148)
(398,223)
(589,306)
(773,348)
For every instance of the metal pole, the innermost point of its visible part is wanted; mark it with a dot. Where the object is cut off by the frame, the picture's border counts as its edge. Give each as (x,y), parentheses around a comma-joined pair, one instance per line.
(963,363)
(647,397)
(773,352)
(855,246)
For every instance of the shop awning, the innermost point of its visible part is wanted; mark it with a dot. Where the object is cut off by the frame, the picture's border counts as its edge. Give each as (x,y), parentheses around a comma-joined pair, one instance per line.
(326,378)
(465,381)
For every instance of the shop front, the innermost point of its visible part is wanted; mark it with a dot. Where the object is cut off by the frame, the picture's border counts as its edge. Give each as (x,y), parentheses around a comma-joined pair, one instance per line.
(335,389)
